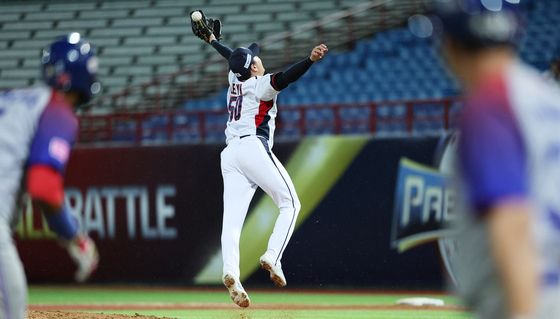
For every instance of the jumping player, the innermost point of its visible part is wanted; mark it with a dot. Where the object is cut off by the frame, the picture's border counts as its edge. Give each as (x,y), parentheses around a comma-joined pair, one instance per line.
(509,165)
(248,161)
(37,130)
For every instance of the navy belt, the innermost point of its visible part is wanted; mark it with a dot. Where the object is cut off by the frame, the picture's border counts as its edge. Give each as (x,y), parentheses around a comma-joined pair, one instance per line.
(244,136)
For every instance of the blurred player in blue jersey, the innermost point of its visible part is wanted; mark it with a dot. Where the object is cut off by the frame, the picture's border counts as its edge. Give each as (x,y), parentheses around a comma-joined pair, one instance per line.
(37,130)
(509,164)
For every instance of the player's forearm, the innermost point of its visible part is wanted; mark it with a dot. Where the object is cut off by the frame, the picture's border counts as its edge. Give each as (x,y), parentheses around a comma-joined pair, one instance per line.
(45,186)
(281,80)
(222,49)
(62,222)
(515,255)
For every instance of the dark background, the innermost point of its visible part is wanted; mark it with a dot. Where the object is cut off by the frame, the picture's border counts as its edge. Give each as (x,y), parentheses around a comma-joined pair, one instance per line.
(345,242)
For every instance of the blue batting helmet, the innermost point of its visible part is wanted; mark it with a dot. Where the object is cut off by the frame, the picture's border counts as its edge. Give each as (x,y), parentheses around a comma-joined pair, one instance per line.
(70,64)
(480,23)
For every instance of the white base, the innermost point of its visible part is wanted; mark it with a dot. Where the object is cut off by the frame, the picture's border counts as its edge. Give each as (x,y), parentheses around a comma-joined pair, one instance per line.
(420,301)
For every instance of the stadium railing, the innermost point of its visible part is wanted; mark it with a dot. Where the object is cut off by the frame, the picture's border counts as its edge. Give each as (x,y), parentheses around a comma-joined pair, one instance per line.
(181,126)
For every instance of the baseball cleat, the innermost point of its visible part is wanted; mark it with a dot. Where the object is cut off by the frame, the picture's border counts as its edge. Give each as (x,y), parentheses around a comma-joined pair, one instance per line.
(236,291)
(276,273)
(85,256)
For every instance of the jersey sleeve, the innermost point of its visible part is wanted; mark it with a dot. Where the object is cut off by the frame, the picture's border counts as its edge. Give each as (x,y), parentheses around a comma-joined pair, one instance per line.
(492,156)
(53,139)
(264,89)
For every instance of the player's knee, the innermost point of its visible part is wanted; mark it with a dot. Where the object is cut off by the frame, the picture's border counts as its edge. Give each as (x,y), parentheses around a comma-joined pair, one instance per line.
(288,200)
(290,205)
(297,205)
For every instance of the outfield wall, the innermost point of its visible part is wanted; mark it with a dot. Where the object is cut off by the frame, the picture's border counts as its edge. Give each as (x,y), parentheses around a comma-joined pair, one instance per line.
(155,213)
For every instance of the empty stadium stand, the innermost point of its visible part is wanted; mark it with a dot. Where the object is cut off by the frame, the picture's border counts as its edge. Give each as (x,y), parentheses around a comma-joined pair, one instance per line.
(378,77)
(138,40)
(395,65)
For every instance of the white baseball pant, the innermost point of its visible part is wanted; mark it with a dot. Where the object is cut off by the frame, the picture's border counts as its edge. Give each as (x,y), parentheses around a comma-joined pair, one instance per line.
(248,162)
(13,286)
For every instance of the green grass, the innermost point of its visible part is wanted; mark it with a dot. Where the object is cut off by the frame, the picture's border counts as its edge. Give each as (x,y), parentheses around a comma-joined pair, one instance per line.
(307,314)
(106,295)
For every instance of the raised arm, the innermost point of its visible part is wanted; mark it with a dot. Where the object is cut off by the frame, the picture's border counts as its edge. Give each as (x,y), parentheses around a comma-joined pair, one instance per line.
(223,50)
(281,80)
(209,30)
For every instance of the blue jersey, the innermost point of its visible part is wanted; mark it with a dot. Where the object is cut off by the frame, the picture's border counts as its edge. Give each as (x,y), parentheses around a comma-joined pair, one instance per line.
(36,128)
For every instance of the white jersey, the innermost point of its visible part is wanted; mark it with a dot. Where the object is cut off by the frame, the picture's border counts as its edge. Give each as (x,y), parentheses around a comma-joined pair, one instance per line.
(252,107)
(536,105)
(509,148)
(20,111)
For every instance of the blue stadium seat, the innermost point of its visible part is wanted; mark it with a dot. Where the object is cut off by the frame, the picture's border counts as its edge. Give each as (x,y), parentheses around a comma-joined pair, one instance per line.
(319,121)
(394,65)
(287,115)
(287,99)
(186,128)
(154,128)
(398,111)
(215,125)
(383,111)
(355,120)
(305,100)
(124,131)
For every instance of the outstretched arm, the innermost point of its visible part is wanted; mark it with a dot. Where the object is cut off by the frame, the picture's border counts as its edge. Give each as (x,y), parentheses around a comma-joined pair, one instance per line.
(281,80)
(223,50)
(45,185)
(513,250)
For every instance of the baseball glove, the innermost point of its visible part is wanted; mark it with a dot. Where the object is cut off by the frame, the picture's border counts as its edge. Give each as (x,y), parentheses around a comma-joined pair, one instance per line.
(204,27)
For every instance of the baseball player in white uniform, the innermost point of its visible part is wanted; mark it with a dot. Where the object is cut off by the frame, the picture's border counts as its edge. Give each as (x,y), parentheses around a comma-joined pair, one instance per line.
(248,161)
(37,130)
(508,163)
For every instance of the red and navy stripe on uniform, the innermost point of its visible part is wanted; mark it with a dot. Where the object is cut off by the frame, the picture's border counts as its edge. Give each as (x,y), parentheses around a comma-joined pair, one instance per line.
(491,150)
(262,118)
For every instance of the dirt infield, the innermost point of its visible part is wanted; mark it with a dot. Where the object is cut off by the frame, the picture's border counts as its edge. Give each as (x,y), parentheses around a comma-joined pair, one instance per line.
(77,311)
(35,314)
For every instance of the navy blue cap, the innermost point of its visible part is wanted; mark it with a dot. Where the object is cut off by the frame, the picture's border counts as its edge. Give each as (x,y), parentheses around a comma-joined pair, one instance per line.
(475,23)
(480,23)
(70,64)
(241,59)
